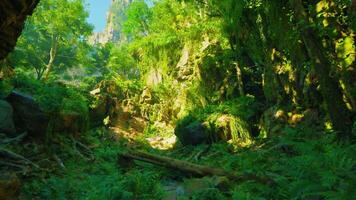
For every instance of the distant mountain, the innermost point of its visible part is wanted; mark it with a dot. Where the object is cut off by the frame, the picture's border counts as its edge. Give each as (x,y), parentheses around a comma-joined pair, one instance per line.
(113,29)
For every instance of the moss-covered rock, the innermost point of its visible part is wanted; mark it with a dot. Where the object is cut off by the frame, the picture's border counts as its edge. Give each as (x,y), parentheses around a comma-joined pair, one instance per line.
(28,115)
(214,127)
(229,127)
(191,131)
(6,118)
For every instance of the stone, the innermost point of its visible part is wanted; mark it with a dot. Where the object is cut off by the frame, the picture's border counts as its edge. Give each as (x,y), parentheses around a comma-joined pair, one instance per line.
(28,116)
(6,118)
(190,131)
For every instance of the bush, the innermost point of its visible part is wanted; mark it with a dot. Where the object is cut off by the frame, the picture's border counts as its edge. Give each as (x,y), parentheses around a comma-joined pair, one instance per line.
(67,106)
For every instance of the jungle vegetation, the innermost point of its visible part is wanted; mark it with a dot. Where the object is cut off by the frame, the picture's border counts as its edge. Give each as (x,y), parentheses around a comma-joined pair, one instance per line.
(255,88)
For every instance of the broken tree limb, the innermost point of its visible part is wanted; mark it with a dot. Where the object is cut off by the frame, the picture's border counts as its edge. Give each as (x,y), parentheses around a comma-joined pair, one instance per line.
(195,169)
(12,155)
(15,139)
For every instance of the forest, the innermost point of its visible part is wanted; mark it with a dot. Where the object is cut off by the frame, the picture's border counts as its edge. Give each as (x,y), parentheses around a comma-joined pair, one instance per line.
(184,99)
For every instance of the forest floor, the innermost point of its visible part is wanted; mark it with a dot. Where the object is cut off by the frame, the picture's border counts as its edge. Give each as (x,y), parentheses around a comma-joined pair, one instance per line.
(302,166)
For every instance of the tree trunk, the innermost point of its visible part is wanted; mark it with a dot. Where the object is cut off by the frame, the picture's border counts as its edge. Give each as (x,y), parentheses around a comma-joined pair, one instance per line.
(239,79)
(198,170)
(52,56)
(330,88)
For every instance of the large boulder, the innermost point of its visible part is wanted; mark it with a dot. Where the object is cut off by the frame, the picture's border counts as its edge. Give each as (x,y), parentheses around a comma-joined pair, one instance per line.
(212,128)
(28,115)
(6,118)
(191,131)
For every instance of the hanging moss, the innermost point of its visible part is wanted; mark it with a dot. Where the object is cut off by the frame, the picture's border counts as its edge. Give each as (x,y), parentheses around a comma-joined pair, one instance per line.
(228,127)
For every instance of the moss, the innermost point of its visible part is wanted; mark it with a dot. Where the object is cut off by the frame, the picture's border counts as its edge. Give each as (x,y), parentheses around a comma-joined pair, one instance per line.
(227,121)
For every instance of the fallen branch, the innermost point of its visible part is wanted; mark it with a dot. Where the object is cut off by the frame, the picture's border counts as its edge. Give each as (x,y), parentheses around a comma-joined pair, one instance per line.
(12,165)
(197,170)
(59,161)
(86,150)
(15,139)
(10,154)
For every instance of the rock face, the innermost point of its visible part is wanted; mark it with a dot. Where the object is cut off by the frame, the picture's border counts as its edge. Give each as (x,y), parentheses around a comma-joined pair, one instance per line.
(6,118)
(28,115)
(114,19)
(13,14)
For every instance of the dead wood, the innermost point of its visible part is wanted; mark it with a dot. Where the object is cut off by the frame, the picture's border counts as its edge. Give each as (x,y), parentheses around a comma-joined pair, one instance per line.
(191,168)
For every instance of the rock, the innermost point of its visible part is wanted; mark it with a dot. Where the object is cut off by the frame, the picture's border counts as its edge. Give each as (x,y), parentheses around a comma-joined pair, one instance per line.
(6,118)
(28,115)
(229,127)
(215,127)
(191,131)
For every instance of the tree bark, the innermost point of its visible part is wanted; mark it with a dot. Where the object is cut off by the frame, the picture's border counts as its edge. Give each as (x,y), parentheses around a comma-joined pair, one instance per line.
(330,88)
(239,79)
(52,56)
(12,18)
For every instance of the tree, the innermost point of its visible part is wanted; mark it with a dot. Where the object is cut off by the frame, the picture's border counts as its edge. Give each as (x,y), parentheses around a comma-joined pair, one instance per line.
(57,26)
(330,88)
(138,18)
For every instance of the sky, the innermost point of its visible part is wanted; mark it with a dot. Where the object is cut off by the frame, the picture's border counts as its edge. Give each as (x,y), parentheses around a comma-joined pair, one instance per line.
(98,9)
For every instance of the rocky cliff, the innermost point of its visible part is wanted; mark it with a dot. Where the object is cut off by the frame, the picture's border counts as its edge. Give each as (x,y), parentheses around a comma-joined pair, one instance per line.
(114,22)
(13,14)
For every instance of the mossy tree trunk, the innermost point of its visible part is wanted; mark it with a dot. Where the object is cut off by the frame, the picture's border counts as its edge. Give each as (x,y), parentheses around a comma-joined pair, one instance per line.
(330,89)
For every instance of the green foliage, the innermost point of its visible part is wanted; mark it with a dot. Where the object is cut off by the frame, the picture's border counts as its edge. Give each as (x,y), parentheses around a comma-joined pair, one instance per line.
(53,97)
(94,179)
(140,185)
(208,194)
(60,102)
(123,65)
(210,68)
(138,17)
(54,35)
(224,121)
(5,88)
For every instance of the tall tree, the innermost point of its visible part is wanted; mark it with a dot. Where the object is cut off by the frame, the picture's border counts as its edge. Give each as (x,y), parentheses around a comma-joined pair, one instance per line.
(56,26)
(330,89)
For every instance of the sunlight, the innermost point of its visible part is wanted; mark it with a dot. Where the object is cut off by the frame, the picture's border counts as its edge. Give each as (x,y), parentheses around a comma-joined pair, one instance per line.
(177,99)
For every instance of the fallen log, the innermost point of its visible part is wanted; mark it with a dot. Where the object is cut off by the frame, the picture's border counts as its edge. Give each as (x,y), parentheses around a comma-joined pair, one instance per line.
(191,168)
(15,156)
(14,140)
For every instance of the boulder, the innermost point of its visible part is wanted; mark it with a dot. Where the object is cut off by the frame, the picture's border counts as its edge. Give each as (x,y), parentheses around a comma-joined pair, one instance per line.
(191,131)
(212,128)
(6,118)
(28,115)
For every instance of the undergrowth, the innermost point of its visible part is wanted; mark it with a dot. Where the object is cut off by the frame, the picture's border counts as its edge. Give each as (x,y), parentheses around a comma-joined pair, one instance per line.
(303,164)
